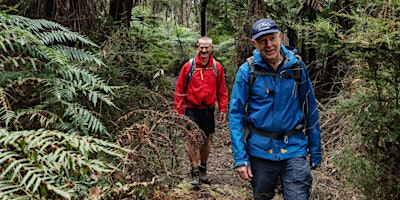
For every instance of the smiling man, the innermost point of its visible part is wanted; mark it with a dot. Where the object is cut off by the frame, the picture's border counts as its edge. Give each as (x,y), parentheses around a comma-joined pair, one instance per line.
(200,84)
(273,118)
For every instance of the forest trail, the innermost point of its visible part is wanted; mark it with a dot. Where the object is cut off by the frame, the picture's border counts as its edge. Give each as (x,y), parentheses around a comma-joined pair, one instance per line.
(225,183)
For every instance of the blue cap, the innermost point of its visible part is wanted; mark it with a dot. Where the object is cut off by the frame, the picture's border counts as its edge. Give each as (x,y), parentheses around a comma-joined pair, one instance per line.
(262,27)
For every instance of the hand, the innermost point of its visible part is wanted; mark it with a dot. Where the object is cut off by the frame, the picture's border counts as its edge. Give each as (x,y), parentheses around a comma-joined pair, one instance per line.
(245,172)
(222,117)
(314,166)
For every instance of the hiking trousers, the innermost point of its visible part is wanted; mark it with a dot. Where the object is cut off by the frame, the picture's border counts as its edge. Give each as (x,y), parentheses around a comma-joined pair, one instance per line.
(294,173)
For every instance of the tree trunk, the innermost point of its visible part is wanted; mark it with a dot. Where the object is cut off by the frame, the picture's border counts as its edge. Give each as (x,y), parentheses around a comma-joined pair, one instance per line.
(181,13)
(244,48)
(203,17)
(292,36)
(121,11)
(309,52)
(78,15)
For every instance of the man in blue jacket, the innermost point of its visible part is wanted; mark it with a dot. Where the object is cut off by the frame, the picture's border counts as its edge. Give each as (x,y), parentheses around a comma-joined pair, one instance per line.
(272,136)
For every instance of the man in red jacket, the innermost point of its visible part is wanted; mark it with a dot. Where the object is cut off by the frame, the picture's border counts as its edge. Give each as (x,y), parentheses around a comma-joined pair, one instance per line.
(200,84)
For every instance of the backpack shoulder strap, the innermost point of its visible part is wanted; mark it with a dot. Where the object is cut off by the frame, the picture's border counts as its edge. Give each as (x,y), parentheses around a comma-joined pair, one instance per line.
(214,67)
(192,68)
(298,67)
(297,71)
(252,76)
(190,75)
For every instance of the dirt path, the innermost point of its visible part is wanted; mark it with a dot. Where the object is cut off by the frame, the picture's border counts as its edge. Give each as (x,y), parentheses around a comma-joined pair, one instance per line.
(224,181)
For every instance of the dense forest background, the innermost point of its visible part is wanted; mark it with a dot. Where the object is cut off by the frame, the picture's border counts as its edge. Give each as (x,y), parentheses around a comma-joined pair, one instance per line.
(86,90)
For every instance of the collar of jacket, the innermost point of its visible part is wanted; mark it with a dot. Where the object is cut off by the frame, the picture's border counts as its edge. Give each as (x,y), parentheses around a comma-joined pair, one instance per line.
(199,62)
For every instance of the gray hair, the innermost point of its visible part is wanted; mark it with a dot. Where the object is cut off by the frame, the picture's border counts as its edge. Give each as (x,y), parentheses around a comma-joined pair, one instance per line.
(205,39)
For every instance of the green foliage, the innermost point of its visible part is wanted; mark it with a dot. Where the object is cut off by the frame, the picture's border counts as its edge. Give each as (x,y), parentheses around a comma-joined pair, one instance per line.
(217,14)
(223,52)
(9,8)
(372,99)
(148,48)
(144,56)
(285,12)
(52,164)
(45,80)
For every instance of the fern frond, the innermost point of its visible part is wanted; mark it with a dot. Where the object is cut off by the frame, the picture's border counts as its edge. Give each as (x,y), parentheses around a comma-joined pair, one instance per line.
(8,188)
(60,191)
(56,36)
(44,117)
(24,37)
(6,115)
(79,74)
(6,43)
(56,60)
(36,25)
(83,118)
(50,159)
(27,42)
(80,81)
(73,53)
(46,31)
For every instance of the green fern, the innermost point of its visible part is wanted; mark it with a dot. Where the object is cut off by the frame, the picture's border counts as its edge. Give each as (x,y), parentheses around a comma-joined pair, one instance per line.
(33,160)
(77,54)
(46,31)
(53,80)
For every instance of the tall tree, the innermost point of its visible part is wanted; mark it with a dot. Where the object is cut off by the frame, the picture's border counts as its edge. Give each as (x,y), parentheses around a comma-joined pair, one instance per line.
(121,11)
(203,17)
(308,52)
(255,11)
(79,15)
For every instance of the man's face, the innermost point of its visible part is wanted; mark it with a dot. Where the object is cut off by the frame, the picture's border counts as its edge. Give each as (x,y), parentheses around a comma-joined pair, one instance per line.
(268,45)
(205,49)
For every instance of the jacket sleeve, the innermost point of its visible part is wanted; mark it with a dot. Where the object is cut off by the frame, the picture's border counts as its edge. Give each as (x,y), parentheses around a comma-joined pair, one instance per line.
(310,107)
(222,94)
(237,112)
(179,95)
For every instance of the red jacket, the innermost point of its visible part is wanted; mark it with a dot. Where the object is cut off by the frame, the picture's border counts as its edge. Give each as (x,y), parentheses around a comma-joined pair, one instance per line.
(203,90)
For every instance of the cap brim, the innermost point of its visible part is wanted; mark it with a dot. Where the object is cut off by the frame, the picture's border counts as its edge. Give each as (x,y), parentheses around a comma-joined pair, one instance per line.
(265,32)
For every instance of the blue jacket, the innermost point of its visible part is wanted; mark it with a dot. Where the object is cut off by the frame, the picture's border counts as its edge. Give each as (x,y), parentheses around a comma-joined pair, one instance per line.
(276,112)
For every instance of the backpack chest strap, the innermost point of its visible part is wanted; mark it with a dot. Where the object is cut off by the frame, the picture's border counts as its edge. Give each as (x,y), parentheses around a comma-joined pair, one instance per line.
(266,73)
(282,135)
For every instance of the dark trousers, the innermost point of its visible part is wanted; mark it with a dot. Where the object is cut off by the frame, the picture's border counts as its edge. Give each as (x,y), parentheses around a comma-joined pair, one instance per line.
(294,173)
